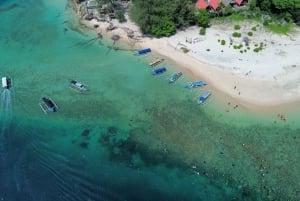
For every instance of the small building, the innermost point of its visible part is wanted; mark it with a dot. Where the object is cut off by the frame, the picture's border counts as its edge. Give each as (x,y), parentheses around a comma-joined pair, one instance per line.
(201,4)
(213,4)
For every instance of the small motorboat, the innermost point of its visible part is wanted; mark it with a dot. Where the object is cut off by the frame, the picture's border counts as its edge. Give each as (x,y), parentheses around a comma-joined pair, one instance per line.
(6,82)
(195,84)
(48,105)
(203,97)
(158,71)
(175,77)
(78,85)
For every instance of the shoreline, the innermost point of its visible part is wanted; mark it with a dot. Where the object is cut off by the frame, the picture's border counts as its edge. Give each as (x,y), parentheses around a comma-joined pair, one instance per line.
(252,92)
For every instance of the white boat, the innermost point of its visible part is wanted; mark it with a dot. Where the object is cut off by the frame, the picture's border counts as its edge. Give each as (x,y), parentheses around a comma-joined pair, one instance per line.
(6,82)
(48,105)
(78,85)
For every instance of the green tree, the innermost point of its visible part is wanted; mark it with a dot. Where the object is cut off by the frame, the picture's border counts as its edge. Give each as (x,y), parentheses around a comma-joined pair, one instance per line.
(165,28)
(203,18)
(265,5)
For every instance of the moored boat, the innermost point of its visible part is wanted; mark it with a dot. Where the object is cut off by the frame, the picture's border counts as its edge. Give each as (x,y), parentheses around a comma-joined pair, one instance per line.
(195,84)
(78,85)
(175,77)
(159,70)
(142,51)
(48,105)
(6,82)
(203,97)
(155,62)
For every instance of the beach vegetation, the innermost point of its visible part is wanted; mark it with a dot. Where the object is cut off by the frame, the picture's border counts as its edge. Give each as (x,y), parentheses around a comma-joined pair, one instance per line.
(152,15)
(279,10)
(237,17)
(202,31)
(237,27)
(279,28)
(184,49)
(250,33)
(165,28)
(238,46)
(207,50)
(254,28)
(237,34)
(120,16)
(259,48)
(223,42)
(203,18)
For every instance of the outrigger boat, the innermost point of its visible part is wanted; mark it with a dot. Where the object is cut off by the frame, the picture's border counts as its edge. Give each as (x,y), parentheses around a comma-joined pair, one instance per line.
(78,85)
(159,70)
(203,97)
(6,82)
(155,62)
(48,105)
(195,84)
(175,77)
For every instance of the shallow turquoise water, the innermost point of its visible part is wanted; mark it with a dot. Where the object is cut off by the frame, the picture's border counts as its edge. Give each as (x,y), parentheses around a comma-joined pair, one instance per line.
(132,136)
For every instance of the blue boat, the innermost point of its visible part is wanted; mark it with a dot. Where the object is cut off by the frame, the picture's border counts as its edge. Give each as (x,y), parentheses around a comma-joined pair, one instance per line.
(143,51)
(195,84)
(175,77)
(159,70)
(203,97)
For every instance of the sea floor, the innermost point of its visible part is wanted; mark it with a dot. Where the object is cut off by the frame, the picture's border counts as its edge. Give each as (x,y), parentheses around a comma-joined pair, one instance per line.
(131,136)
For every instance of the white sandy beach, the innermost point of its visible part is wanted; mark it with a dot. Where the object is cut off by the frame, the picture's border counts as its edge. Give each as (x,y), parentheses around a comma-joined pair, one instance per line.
(266,78)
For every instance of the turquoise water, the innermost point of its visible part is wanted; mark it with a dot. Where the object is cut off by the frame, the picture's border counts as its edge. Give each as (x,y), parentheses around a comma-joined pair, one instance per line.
(132,136)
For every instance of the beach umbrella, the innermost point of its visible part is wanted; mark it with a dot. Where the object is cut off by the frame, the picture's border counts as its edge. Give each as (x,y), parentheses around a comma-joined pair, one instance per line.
(214,4)
(201,4)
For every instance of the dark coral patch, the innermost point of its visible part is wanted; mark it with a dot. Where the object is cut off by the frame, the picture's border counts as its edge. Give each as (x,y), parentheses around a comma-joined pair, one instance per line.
(85,133)
(84,145)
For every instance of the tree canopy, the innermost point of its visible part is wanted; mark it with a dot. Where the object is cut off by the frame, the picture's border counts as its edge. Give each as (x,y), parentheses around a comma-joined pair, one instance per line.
(163,17)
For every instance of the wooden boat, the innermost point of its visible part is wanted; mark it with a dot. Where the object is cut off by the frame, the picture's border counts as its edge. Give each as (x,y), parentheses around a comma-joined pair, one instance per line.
(203,97)
(195,84)
(78,85)
(48,105)
(175,77)
(6,82)
(155,62)
(158,71)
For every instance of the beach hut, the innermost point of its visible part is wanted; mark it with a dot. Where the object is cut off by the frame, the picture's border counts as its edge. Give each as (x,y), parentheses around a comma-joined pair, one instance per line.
(214,4)
(201,4)
(239,2)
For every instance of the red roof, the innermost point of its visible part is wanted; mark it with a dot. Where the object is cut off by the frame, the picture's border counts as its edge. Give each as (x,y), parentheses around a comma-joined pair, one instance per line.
(239,2)
(214,4)
(201,4)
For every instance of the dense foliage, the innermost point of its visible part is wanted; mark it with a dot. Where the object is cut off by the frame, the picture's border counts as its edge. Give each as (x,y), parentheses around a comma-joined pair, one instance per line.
(163,17)
(288,10)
